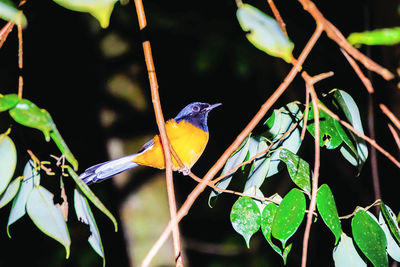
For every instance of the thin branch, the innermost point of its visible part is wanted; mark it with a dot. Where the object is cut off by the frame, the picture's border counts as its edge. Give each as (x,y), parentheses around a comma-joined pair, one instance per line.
(367,83)
(376,203)
(240,138)
(338,37)
(278,17)
(306,110)
(363,136)
(390,115)
(163,134)
(310,90)
(373,157)
(5,31)
(395,135)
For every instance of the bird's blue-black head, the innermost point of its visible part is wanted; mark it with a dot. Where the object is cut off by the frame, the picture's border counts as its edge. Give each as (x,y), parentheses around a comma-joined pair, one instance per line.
(196,113)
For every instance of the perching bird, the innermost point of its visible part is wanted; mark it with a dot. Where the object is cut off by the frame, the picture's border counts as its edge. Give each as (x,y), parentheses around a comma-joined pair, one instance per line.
(187,133)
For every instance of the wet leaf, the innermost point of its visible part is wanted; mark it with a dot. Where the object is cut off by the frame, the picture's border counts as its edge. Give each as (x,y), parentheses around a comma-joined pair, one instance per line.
(245,218)
(8,101)
(18,208)
(47,216)
(345,253)
(92,197)
(10,192)
(289,216)
(370,238)
(331,132)
(8,160)
(267,218)
(355,155)
(100,9)
(30,115)
(9,12)
(327,209)
(85,215)
(235,159)
(392,248)
(299,169)
(264,32)
(391,219)
(388,36)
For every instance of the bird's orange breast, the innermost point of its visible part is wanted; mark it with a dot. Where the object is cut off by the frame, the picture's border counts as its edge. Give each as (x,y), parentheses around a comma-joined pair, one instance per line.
(187,140)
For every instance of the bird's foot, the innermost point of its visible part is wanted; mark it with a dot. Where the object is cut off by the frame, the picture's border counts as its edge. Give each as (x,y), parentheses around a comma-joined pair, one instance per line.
(185,171)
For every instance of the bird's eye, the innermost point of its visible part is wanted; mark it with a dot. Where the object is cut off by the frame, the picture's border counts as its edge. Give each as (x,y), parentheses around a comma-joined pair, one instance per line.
(196,108)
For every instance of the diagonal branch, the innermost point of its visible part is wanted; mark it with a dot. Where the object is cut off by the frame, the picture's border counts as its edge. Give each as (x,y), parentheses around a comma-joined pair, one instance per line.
(161,127)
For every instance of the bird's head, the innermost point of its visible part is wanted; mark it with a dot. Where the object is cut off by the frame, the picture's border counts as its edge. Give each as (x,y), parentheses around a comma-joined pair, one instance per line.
(196,113)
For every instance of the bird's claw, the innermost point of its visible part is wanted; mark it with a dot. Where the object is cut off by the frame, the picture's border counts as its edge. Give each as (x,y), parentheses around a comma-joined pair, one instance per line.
(185,171)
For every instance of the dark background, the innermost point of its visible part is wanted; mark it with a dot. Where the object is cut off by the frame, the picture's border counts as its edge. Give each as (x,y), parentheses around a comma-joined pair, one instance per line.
(201,54)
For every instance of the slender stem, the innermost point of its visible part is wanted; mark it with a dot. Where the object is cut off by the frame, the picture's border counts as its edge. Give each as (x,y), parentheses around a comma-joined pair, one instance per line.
(373,157)
(5,31)
(314,100)
(277,16)
(360,74)
(163,134)
(390,115)
(395,135)
(240,138)
(305,119)
(338,37)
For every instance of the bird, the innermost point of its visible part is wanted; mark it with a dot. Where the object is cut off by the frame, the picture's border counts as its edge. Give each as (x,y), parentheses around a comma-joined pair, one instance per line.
(187,133)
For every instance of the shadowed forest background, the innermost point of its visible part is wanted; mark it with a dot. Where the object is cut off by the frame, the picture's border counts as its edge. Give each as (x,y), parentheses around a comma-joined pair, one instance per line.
(95,85)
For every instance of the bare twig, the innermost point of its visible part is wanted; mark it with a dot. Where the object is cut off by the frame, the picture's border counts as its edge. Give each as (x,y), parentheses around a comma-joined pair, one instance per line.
(5,31)
(338,37)
(360,74)
(376,203)
(306,110)
(240,138)
(161,127)
(395,135)
(310,90)
(277,16)
(390,115)
(373,157)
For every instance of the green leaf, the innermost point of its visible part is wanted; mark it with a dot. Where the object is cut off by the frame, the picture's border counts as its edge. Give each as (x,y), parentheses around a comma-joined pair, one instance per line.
(390,218)
(47,216)
(267,218)
(285,118)
(9,12)
(264,32)
(245,218)
(8,160)
(392,248)
(299,169)
(356,156)
(345,253)
(260,167)
(289,216)
(10,192)
(100,9)
(30,115)
(8,101)
(235,159)
(388,36)
(19,203)
(331,133)
(85,215)
(92,197)
(370,238)
(327,209)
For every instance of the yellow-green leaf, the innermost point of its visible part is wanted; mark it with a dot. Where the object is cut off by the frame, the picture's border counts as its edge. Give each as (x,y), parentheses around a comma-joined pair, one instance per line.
(9,12)
(100,9)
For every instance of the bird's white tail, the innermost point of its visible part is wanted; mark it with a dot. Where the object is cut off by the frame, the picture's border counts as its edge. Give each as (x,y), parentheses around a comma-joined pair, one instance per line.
(105,170)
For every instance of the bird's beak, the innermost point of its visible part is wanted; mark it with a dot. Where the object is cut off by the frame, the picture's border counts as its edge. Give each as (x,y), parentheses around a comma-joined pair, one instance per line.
(213,106)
